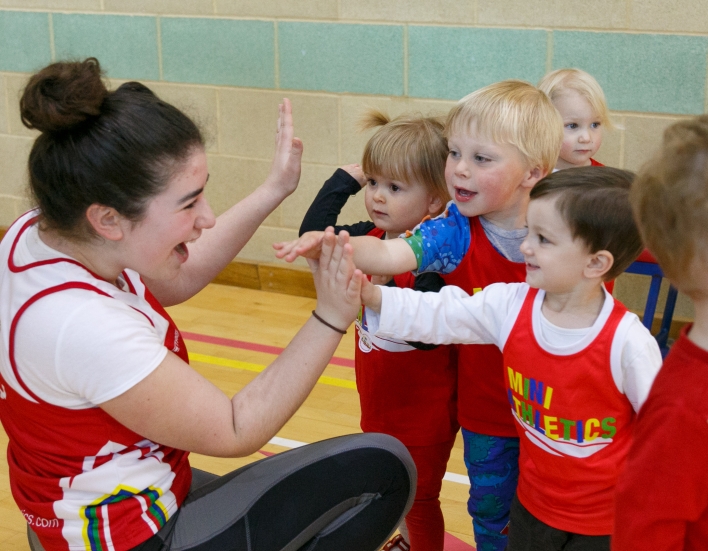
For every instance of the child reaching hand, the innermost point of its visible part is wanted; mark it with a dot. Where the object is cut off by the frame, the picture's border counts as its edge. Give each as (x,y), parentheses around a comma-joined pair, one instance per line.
(407,390)
(502,139)
(578,365)
(581,103)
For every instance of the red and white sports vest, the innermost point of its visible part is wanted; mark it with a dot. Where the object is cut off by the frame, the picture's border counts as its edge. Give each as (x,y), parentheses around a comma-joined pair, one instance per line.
(81,479)
(405,392)
(575,425)
(482,404)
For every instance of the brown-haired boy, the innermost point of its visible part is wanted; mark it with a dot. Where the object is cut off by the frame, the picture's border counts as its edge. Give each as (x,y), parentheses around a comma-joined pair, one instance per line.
(578,365)
(502,139)
(662,500)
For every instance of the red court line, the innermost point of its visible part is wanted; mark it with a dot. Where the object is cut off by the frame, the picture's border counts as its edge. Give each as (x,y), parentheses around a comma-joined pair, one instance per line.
(455,544)
(267,454)
(243,345)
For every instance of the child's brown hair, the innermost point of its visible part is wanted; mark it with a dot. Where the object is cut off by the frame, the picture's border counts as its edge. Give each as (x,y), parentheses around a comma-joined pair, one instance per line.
(594,202)
(670,198)
(512,112)
(409,148)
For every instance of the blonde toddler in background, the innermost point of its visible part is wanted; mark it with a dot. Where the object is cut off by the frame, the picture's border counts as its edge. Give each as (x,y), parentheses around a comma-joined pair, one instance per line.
(581,103)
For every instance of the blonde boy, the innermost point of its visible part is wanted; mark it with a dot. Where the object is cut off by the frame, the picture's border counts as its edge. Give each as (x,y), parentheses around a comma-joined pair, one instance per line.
(581,103)
(502,140)
(662,500)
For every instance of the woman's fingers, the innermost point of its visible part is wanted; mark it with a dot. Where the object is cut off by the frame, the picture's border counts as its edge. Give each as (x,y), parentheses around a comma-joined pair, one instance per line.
(337,250)
(286,166)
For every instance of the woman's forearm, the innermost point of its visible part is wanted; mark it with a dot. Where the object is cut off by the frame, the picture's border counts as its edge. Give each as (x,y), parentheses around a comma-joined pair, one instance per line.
(267,402)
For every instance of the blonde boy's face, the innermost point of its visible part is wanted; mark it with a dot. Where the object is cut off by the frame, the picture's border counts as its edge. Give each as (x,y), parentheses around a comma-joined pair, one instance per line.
(487,178)
(582,130)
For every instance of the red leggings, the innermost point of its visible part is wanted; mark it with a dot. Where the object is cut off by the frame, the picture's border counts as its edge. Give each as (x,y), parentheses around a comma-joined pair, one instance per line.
(425,523)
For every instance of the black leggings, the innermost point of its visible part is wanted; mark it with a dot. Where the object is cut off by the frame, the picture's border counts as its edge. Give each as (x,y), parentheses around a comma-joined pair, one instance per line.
(347,493)
(527,533)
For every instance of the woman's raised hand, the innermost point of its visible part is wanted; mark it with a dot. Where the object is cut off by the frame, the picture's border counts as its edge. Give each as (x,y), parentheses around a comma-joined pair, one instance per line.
(285,169)
(308,245)
(337,281)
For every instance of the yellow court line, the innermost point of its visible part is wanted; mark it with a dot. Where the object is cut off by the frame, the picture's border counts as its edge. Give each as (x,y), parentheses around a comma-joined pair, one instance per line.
(235,364)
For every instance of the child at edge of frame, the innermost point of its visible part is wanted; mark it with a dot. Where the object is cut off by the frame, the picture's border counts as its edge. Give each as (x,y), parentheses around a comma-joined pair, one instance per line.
(579,365)
(662,498)
(407,390)
(502,139)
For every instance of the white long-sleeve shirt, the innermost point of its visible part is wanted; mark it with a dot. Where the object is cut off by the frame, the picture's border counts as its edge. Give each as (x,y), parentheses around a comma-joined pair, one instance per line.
(487,317)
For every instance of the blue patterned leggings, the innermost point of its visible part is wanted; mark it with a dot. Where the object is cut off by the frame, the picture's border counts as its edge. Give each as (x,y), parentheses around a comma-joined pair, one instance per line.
(493,467)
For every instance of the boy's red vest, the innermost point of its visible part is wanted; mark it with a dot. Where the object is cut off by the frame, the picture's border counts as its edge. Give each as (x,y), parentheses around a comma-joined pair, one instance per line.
(575,425)
(482,402)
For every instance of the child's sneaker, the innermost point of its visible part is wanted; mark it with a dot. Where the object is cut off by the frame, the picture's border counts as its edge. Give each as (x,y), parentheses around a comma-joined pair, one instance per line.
(396,543)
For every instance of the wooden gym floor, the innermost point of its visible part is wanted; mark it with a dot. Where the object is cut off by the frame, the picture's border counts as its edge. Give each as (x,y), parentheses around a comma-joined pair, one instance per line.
(232,333)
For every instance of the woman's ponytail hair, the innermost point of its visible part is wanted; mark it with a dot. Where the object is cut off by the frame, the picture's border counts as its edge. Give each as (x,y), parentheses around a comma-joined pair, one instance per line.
(115,148)
(63,95)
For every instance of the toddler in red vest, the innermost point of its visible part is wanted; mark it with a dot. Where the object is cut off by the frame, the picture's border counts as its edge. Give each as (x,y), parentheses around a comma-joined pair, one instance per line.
(578,365)
(581,103)
(662,500)
(407,390)
(502,139)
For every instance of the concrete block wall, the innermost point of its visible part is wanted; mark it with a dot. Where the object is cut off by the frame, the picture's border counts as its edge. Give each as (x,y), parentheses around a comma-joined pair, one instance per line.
(228,63)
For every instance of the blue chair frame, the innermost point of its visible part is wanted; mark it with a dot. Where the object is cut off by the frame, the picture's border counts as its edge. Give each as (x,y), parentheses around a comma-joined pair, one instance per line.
(653,270)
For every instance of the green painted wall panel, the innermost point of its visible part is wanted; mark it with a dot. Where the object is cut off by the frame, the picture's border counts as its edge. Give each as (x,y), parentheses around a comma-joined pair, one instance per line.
(640,72)
(365,59)
(24,41)
(451,62)
(218,51)
(126,46)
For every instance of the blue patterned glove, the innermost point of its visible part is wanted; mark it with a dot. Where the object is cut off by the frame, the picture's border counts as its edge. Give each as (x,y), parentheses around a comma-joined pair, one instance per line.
(440,243)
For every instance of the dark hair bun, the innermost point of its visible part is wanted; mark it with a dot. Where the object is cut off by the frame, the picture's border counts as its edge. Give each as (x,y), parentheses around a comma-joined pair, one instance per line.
(63,95)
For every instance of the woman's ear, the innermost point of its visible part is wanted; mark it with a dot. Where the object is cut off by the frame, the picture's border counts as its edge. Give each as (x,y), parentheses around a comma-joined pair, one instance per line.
(105,221)
(599,264)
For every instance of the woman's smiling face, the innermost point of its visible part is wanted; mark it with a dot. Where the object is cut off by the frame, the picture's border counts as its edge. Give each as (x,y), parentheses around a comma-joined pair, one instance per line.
(157,246)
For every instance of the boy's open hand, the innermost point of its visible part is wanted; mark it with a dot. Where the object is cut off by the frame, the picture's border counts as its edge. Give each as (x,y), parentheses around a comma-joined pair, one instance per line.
(337,281)
(309,245)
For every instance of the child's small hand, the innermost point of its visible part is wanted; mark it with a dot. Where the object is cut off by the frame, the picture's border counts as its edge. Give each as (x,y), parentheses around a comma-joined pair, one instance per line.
(371,295)
(309,245)
(356,172)
(337,281)
(380,279)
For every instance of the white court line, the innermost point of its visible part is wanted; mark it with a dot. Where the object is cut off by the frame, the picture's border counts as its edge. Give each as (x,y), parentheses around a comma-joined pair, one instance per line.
(287,443)
(459,478)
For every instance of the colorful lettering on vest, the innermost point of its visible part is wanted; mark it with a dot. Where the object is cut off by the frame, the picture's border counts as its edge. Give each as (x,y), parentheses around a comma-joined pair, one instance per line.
(532,403)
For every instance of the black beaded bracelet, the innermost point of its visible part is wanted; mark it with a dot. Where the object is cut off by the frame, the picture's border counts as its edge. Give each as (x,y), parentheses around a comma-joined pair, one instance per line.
(327,324)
